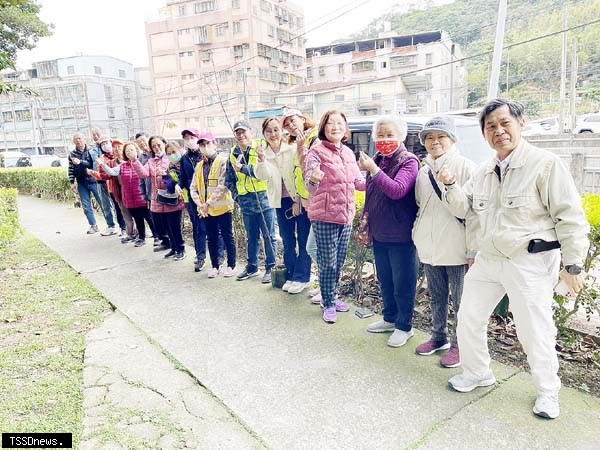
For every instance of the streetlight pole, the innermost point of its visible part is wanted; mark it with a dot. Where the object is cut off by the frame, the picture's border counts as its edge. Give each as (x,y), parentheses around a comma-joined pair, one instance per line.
(498,44)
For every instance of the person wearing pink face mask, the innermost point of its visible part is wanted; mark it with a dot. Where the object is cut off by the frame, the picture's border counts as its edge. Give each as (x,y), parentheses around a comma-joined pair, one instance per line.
(391,210)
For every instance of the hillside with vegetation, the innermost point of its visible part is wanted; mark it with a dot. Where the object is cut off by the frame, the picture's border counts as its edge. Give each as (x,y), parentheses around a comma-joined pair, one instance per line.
(530,70)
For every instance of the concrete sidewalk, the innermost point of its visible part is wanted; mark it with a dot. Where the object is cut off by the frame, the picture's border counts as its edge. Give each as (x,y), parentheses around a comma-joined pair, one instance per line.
(290,379)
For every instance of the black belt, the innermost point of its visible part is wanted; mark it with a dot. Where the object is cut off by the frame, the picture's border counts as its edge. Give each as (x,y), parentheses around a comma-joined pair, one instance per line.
(539,245)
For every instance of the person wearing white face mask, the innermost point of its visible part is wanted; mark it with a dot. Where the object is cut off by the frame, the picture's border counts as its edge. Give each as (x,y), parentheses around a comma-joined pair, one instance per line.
(189,161)
(440,237)
(107,206)
(214,205)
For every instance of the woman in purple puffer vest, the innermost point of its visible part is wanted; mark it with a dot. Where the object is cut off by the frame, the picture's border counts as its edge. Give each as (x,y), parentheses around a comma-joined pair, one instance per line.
(391,208)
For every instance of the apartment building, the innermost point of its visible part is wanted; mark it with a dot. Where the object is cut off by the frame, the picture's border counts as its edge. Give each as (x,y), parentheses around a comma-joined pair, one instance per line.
(74,94)
(426,81)
(212,62)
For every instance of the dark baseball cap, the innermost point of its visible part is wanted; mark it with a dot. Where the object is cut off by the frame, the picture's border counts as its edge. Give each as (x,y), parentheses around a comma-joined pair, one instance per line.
(241,125)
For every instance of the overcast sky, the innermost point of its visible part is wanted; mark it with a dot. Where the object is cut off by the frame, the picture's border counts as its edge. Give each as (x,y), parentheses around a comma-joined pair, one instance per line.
(116,27)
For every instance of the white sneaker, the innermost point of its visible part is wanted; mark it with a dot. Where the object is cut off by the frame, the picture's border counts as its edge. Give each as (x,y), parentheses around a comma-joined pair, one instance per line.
(465,383)
(381,326)
(286,285)
(399,338)
(110,231)
(316,299)
(314,291)
(546,405)
(297,287)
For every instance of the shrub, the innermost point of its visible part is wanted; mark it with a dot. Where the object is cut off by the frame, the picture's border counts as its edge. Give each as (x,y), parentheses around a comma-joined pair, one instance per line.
(51,183)
(9,217)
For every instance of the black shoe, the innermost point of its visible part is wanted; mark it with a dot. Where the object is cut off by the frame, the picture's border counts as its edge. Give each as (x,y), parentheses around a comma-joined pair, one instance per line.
(157,242)
(266,279)
(139,242)
(171,253)
(247,274)
(160,248)
(198,265)
(179,256)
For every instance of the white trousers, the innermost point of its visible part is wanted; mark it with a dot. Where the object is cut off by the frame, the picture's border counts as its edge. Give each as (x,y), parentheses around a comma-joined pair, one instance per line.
(529,281)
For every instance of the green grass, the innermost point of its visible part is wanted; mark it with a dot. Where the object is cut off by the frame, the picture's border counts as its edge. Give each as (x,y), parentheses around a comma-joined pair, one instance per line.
(42,339)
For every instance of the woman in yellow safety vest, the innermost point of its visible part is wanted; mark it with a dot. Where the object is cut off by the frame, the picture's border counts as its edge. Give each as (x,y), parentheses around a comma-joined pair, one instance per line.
(259,217)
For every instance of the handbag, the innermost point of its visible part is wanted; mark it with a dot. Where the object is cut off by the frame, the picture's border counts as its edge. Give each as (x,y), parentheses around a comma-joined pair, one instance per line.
(362,236)
(278,276)
(166,198)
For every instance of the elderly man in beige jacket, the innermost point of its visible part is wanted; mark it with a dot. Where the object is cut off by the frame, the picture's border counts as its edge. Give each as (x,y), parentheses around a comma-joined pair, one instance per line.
(526,207)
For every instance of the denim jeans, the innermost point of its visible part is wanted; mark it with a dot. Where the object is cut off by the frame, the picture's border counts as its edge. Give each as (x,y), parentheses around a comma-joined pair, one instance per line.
(397,267)
(219,229)
(106,204)
(161,229)
(86,190)
(294,233)
(257,224)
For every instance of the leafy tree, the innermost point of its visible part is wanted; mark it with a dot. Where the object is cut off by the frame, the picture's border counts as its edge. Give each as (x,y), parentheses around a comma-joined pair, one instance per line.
(20,29)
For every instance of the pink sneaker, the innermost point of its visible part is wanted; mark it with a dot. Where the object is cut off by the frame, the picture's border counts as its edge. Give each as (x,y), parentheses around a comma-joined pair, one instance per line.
(316,299)
(341,306)
(314,291)
(329,315)
(229,272)
(213,272)
(451,359)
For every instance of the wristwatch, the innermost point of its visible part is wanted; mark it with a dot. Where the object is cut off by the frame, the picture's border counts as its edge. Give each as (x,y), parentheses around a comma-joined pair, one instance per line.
(573,269)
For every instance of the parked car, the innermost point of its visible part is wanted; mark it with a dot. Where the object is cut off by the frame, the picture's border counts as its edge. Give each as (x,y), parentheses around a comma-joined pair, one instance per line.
(40,159)
(14,159)
(588,123)
(470,140)
(548,125)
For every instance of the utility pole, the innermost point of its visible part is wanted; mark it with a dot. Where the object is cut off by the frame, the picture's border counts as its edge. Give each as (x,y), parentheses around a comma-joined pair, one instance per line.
(563,71)
(573,85)
(498,44)
(246,114)
(452,47)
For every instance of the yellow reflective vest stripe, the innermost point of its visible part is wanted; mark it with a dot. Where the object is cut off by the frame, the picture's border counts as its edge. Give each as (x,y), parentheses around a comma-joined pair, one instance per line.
(223,205)
(246,184)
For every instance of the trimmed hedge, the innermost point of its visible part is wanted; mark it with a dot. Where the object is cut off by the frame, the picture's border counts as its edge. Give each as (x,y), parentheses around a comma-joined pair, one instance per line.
(48,182)
(9,216)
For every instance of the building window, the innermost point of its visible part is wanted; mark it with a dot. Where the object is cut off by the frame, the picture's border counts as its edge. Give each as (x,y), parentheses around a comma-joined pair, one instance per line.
(238,51)
(111,112)
(271,31)
(108,92)
(203,7)
(71,70)
(125,92)
(363,66)
(339,98)
(202,35)
(221,28)
(181,10)
(265,6)
(224,76)
(384,64)
(376,96)
(321,71)
(23,115)
(341,68)
(121,73)
(205,56)
(237,27)
(403,61)
(129,113)
(428,59)
(98,70)
(7,116)
(210,121)
(309,72)
(235,4)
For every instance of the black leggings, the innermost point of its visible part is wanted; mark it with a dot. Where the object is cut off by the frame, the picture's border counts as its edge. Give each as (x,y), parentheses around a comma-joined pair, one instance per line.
(139,214)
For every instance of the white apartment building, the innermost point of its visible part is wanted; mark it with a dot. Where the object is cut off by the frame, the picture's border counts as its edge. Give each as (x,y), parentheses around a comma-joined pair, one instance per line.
(213,61)
(74,94)
(427,82)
